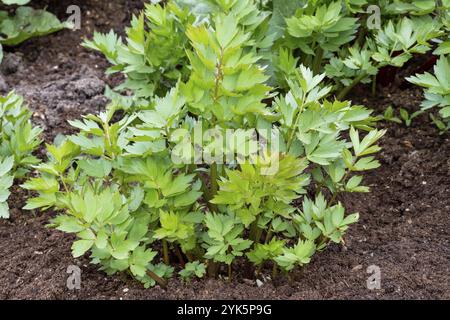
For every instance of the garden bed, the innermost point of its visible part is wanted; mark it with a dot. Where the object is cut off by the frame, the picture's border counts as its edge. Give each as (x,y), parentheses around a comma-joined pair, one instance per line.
(404,221)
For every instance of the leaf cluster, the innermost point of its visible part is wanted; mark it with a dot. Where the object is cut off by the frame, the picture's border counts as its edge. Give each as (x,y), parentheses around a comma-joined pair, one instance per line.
(26,23)
(18,140)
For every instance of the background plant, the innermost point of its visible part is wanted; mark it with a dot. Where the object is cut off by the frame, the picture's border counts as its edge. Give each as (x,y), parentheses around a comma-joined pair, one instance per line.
(26,23)
(437,85)
(18,140)
(437,91)
(332,37)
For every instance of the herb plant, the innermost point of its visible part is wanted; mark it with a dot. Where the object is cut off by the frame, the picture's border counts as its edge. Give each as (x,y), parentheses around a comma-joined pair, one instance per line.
(437,90)
(331,37)
(18,140)
(131,184)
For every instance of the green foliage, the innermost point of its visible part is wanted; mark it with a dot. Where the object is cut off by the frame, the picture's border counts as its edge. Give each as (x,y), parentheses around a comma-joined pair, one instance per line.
(326,36)
(26,23)
(222,239)
(103,224)
(437,89)
(300,254)
(322,28)
(18,140)
(6,181)
(153,57)
(226,83)
(331,36)
(193,269)
(135,207)
(407,37)
(266,251)
(18,2)
(258,198)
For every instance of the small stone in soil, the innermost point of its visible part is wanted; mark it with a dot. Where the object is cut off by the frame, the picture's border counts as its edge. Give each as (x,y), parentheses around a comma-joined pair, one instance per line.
(357,267)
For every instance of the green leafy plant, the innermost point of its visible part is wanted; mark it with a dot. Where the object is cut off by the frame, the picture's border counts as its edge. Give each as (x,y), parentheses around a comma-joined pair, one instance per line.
(333,36)
(133,188)
(403,116)
(26,23)
(193,269)
(6,181)
(154,56)
(389,115)
(325,36)
(407,118)
(18,140)
(321,29)
(437,90)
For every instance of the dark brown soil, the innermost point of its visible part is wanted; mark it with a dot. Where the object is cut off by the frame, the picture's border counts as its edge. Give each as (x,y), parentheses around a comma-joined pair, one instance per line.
(404,226)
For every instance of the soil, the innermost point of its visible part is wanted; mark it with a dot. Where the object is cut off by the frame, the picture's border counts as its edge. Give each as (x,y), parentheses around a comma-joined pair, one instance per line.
(403,229)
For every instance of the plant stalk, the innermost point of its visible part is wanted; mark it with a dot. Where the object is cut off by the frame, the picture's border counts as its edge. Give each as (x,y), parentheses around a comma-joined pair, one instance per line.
(347,89)
(179,256)
(374,85)
(258,234)
(253,230)
(268,235)
(274,270)
(214,187)
(165,252)
(158,279)
(317,60)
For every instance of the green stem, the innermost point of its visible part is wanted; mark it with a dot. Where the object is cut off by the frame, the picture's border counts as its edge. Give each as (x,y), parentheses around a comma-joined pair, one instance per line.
(374,85)
(253,231)
(294,128)
(347,89)
(269,235)
(214,187)
(64,184)
(258,235)
(205,190)
(333,198)
(317,60)
(179,256)
(322,240)
(189,257)
(274,270)
(219,76)
(362,35)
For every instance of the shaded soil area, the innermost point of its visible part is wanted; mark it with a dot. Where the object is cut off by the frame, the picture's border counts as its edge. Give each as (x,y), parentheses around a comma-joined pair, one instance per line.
(404,225)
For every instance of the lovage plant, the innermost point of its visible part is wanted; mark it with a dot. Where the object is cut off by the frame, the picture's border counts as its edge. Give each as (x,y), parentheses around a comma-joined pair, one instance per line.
(18,140)
(338,38)
(25,24)
(210,173)
(343,39)
(437,91)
